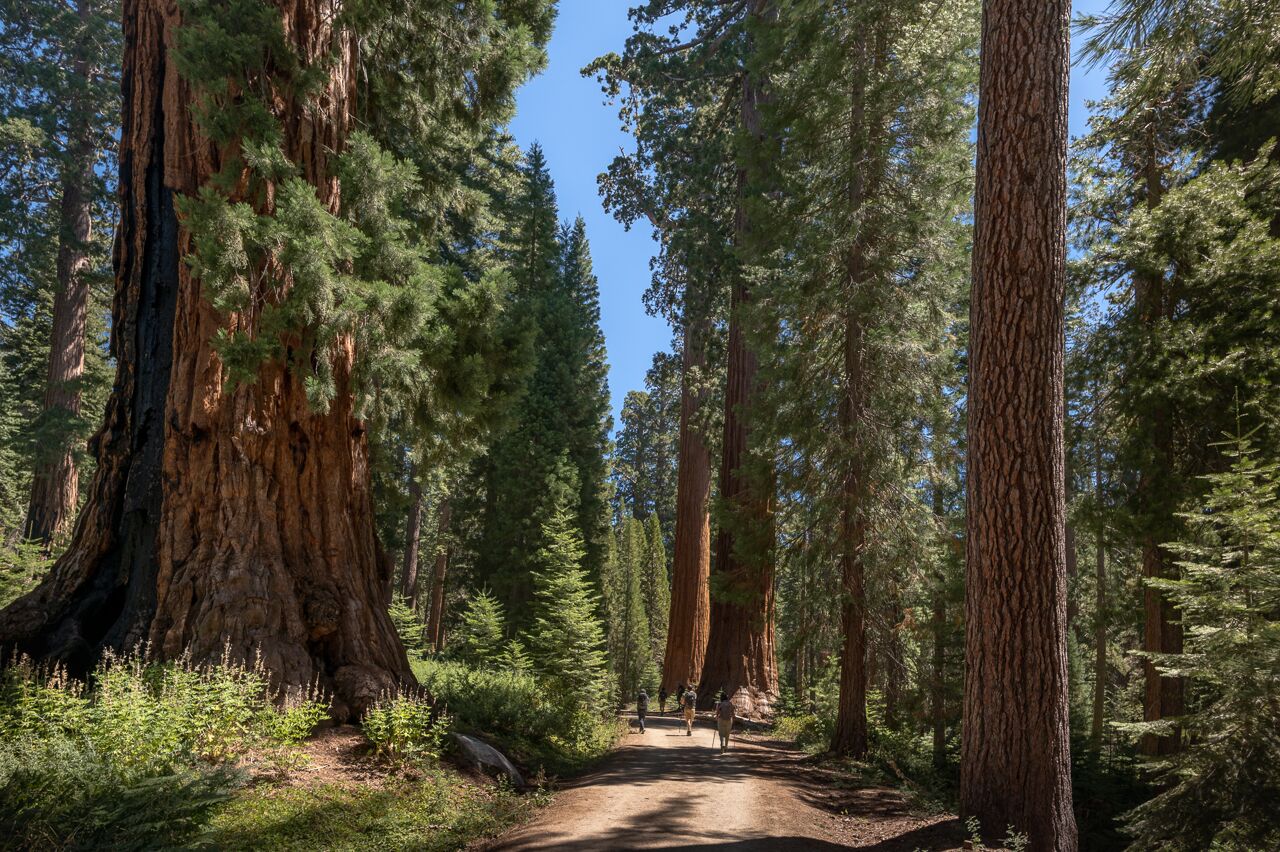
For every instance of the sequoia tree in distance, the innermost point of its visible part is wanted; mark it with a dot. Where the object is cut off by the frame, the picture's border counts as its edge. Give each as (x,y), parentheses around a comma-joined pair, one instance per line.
(1015,769)
(741,658)
(231,511)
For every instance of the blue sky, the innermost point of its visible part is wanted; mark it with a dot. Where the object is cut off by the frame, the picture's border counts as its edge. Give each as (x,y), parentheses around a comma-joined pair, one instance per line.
(566,113)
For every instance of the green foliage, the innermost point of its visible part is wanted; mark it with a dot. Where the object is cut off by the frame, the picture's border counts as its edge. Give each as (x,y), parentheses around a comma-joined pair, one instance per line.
(409,627)
(1222,790)
(657,585)
(404,728)
(59,792)
(646,452)
(439,813)
(140,760)
(559,428)
(529,720)
(630,641)
(478,639)
(566,640)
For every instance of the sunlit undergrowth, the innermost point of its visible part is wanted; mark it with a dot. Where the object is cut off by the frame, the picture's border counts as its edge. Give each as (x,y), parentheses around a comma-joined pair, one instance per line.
(543,732)
(149,756)
(439,811)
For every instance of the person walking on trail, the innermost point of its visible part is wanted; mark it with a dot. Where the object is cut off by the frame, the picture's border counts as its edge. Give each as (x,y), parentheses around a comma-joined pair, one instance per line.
(642,707)
(724,720)
(690,702)
(662,701)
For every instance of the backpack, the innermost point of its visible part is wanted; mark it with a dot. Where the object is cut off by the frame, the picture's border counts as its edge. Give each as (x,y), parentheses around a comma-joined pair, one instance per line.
(725,710)
(690,698)
(642,703)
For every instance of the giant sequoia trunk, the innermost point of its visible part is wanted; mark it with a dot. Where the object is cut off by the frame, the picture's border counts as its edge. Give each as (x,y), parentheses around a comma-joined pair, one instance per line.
(221,518)
(1016,762)
(740,647)
(691,564)
(55,484)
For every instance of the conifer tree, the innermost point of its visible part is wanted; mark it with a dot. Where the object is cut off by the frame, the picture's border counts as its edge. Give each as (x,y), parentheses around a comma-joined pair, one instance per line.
(59,105)
(560,425)
(657,588)
(1224,789)
(478,639)
(269,260)
(566,638)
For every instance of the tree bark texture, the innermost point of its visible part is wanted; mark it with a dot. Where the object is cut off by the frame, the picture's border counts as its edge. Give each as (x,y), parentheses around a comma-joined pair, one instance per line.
(222,519)
(691,564)
(740,659)
(55,483)
(435,622)
(1016,764)
(1162,631)
(413,531)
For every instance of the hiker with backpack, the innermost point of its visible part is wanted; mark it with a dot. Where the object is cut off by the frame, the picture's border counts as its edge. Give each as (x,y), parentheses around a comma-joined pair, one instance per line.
(690,702)
(662,700)
(725,712)
(642,707)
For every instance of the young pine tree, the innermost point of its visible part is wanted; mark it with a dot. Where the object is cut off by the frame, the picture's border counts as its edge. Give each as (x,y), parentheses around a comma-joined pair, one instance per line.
(566,642)
(657,590)
(478,639)
(1223,788)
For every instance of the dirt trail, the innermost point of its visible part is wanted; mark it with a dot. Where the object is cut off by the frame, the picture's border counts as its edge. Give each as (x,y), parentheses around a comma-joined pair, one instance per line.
(665,790)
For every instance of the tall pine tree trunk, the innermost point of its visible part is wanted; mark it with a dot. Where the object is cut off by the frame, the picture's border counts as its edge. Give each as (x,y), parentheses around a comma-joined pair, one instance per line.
(220,517)
(1162,632)
(850,735)
(688,623)
(55,484)
(435,620)
(1016,762)
(740,647)
(413,532)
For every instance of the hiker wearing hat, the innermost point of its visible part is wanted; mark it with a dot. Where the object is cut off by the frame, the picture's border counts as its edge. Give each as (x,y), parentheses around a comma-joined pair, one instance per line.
(724,720)
(642,707)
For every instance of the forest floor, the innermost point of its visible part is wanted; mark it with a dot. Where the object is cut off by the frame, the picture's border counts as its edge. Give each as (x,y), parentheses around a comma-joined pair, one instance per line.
(665,790)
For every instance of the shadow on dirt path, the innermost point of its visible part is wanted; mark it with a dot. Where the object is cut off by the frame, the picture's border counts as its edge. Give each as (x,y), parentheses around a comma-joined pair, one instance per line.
(667,791)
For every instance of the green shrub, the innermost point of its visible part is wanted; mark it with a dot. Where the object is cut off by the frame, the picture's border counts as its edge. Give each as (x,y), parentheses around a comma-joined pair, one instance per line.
(409,627)
(513,711)
(60,793)
(140,760)
(402,727)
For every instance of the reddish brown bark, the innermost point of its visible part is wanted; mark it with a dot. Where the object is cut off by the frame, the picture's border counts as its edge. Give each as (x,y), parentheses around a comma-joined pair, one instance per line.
(691,563)
(221,518)
(435,619)
(413,531)
(1016,763)
(1162,632)
(740,646)
(55,484)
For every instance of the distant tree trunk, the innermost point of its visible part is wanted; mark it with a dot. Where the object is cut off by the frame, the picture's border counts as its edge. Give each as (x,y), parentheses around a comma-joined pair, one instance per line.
(1016,762)
(850,736)
(413,532)
(740,656)
(937,676)
(221,517)
(435,622)
(1162,632)
(937,679)
(55,484)
(691,566)
(1099,642)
